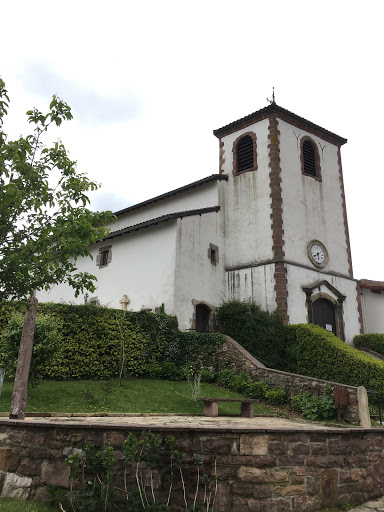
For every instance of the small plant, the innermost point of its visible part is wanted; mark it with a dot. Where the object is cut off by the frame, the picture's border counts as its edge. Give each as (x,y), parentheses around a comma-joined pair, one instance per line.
(276,396)
(314,407)
(258,390)
(93,469)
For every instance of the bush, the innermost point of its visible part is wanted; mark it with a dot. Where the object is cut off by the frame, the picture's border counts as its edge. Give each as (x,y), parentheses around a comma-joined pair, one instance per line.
(315,407)
(47,340)
(258,390)
(207,375)
(261,333)
(373,341)
(276,396)
(199,347)
(91,338)
(318,353)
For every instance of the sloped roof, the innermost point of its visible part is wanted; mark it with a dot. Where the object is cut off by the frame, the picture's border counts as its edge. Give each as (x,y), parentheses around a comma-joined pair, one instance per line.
(371,285)
(158,220)
(286,115)
(203,181)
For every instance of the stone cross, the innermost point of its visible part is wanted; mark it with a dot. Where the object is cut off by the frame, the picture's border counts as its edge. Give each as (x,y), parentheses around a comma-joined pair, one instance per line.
(124,302)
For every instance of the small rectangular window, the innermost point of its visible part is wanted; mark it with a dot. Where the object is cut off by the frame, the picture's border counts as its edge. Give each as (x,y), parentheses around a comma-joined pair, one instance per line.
(213,254)
(104,257)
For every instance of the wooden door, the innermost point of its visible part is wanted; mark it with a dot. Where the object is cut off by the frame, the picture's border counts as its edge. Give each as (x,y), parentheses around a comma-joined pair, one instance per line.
(202,318)
(324,314)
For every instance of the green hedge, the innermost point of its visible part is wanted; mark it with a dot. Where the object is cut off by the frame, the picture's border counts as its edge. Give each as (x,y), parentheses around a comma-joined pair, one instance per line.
(91,337)
(194,347)
(91,340)
(318,353)
(374,341)
(259,332)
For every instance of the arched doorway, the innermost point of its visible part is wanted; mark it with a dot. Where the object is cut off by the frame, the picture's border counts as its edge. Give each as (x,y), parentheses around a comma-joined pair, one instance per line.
(324,314)
(202,318)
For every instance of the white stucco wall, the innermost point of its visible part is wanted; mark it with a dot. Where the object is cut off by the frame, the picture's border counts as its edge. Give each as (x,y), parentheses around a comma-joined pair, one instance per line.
(196,277)
(255,284)
(300,277)
(203,196)
(142,266)
(247,203)
(373,311)
(311,209)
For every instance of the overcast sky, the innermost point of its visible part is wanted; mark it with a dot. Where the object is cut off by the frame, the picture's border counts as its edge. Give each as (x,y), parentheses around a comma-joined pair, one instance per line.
(148,82)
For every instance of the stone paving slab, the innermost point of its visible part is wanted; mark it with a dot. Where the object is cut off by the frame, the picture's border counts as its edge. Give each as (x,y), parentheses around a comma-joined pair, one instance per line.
(370,506)
(179,421)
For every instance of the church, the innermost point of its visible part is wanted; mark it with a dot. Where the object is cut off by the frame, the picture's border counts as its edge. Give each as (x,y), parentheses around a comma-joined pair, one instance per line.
(271,227)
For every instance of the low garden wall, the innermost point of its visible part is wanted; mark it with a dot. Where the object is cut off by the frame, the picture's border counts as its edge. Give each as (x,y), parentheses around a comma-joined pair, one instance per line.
(261,470)
(233,355)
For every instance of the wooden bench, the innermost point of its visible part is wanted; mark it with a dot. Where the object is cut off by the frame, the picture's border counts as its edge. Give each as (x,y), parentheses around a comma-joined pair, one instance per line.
(211,409)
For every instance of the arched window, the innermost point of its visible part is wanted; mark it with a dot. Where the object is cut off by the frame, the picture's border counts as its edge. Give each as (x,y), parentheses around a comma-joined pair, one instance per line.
(310,160)
(244,153)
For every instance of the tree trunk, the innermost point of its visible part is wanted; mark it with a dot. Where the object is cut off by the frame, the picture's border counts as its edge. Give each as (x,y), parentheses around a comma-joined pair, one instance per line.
(19,396)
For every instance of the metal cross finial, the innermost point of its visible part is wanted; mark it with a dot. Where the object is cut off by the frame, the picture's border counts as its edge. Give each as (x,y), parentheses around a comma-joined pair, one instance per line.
(272,102)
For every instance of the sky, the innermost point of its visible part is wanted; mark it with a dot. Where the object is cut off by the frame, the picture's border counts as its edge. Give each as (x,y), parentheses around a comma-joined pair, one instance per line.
(149,81)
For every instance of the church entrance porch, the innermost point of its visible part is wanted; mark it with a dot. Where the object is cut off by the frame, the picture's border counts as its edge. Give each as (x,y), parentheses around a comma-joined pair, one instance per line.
(325,307)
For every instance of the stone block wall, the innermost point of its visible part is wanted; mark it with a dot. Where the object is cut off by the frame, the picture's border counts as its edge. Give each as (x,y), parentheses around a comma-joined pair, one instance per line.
(261,470)
(233,355)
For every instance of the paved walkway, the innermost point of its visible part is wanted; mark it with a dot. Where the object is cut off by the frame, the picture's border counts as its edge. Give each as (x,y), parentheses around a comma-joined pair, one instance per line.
(187,422)
(371,506)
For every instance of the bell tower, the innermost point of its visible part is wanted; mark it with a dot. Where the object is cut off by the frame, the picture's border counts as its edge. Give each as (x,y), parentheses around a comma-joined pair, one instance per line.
(287,240)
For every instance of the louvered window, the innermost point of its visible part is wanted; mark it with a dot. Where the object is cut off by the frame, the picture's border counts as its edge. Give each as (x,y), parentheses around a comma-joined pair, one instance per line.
(309,158)
(244,153)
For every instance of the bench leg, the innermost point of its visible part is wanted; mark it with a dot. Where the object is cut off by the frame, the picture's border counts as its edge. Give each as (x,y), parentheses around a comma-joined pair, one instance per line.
(211,409)
(247,409)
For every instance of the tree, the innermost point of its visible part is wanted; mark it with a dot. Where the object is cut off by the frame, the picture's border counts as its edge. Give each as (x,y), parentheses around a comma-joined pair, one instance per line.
(45,224)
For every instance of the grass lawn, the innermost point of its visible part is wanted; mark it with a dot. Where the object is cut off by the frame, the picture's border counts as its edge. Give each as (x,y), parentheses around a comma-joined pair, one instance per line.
(134,396)
(8,505)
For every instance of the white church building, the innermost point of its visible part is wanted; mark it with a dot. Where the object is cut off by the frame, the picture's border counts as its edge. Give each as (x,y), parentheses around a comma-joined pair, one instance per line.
(270,227)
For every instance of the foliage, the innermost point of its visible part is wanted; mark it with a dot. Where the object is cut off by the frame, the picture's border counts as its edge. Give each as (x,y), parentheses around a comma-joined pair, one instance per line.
(242,383)
(314,407)
(373,341)
(91,472)
(46,342)
(91,339)
(45,224)
(260,332)
(276,396)
(318,353)
(199,347)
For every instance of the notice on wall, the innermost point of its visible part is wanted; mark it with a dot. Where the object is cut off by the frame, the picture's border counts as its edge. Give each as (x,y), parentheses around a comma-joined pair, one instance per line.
(328,327)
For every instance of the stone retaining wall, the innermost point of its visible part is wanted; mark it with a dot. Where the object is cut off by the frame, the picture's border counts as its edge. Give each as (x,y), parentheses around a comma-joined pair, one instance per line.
(261,470)
(233,355)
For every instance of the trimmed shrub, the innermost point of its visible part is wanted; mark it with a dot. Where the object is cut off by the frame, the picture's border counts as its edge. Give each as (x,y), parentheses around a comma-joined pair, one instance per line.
(318,353)
(47,340)
(198,347)
(91,338)
(374,341)
(261,333)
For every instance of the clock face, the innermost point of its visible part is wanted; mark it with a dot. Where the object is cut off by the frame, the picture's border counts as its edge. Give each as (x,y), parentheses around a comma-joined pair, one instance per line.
(317,253)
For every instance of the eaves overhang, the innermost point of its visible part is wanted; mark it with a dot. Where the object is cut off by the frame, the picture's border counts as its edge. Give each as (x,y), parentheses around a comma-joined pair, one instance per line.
(280,112)
(185,188)
(158,220)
